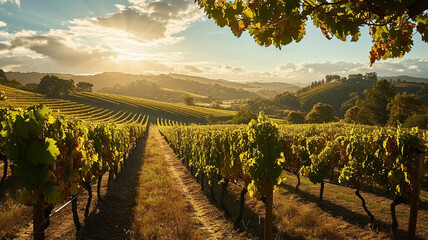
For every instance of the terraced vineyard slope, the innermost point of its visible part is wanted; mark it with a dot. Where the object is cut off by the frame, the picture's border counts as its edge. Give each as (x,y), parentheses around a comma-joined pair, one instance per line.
(70,109)
(155,109)
(333,93)
(336,93)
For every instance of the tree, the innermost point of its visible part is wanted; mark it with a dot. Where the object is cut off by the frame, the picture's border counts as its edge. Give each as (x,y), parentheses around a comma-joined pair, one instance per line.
(420,121)
(329,78)
(295,117)
(373,109)
(391,23)
(287,100)
(84,86)
(403,106)
(262,104)
(353,98)
(53,86)
(32,87)
(244,117)
(351,114)
(7,82)
(320,113)
(189,101)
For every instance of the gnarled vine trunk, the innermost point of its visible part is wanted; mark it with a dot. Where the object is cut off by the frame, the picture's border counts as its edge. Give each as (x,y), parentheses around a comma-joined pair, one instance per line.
(363,203)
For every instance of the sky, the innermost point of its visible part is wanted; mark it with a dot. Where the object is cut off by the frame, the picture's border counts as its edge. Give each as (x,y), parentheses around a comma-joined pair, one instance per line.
(173,36)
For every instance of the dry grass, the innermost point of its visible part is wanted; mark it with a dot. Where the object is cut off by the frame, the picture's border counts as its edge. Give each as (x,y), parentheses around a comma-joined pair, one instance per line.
(343,211)
(161,211)
(12,215)
(304,221)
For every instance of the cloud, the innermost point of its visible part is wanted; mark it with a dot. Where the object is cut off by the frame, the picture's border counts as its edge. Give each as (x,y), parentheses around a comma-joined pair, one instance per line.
(193,69)
(53,53)
(120,7)
(307,72)
(3,24)
(152,21)
(17,2)
(56,49)
(116,41)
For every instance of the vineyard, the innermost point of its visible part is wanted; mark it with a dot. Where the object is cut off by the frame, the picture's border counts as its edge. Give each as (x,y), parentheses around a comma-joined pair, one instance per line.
(113,108)
(385,161)
(333,93)
(69,109)
(366,180)
(155,109)
(56,159)
(337,93)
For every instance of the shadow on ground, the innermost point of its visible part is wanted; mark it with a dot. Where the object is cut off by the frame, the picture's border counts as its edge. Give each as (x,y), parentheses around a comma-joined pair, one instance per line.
(113,220)
(346,214)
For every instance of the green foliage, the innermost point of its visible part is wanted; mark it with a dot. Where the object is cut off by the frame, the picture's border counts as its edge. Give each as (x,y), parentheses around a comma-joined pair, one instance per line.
(287,100)
(295,117)
(32,87)
(363,155)
(2,96)
(403,106)
(373,109)
(264,153)
(84,87)
(261,104)
(391,24)
(189,100)
(329,78)
(420,121)
(351,114)
(33,152)
(53,86)
(353,98)
(250,156)
(7,82)
(320,113)
(340,95)
(54,158)
(243,117)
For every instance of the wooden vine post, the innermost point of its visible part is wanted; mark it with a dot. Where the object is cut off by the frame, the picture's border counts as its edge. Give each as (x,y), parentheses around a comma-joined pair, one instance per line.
(268,216)
(38,219)
(414,201)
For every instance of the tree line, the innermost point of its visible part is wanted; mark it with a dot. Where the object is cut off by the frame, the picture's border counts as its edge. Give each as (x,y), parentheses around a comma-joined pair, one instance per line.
(50,85)
(381,105)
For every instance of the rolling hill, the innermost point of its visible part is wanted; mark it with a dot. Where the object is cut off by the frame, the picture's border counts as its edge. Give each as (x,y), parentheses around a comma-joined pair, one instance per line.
(337,93)
(406,78)
(110,107)
(217,88)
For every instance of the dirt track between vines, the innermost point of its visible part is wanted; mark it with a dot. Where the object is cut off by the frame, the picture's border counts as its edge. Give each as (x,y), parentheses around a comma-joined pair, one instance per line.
(211,218)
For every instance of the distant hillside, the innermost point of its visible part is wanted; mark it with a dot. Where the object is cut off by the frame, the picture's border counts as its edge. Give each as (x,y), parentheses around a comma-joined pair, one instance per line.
(407,79)
(271,89)
(166,88)
(99,80)
(220,82)
(34,77)
(110,79)
(337,93)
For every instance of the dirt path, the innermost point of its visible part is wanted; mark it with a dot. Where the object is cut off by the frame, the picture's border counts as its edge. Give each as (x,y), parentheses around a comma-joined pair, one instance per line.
(211,218)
